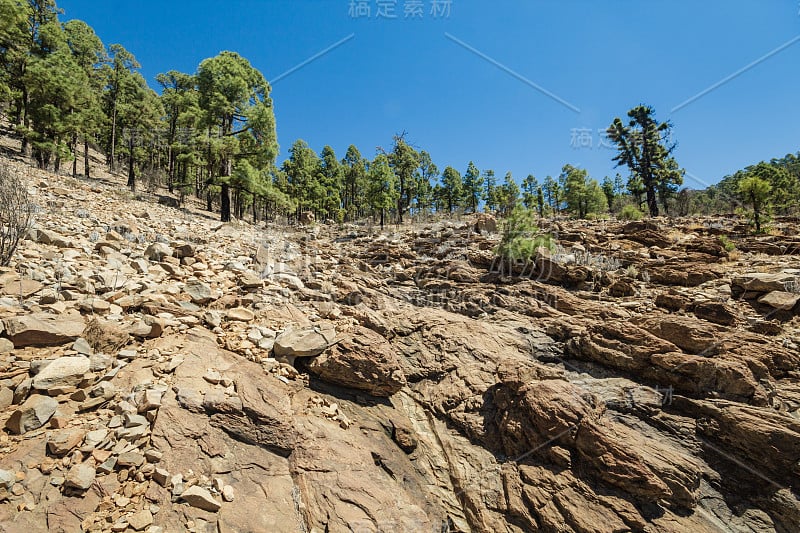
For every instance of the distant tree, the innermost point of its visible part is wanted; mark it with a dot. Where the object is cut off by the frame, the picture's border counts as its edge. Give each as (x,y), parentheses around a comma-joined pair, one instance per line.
(784,187)
(529,187)
(87,120)
(473,187)
(56,86)
(553,194)
(355,175)
(382,189)
(755,192)
(180,101)
(668,178)
(491,192)
(683,202)
(642,147)
(331,178)
(609,191)
(118,75)
(301,173)
(426,172)
(509,194)
(452,188)
(582,194)
(404,161)
(540,201)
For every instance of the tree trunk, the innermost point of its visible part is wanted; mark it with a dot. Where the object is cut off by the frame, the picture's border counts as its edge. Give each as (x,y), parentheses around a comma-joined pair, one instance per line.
(113,134)
(131,165)
(26,146)
(756,212)
(225,203)
(86,156)
(652,203)
(171,171)
(225,192)
(74,149)
(57,163)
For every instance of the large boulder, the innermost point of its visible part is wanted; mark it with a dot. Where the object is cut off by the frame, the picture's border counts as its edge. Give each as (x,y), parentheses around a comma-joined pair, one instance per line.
(42,329)
(364,361)
(485,223)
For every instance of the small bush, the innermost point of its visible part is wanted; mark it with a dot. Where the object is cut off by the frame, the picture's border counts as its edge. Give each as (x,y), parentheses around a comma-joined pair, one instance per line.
(16,212)
(630,212)
(521,237)
(727,243)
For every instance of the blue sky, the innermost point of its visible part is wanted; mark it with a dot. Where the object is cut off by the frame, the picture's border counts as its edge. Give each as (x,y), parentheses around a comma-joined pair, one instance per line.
(445,79)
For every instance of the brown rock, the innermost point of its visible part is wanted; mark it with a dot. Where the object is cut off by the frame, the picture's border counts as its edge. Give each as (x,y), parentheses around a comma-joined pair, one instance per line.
(304,342)
(485,223)
(716,312)
(200,498)
(62,442)
(42,329)
(364,361)
(32,414)
(307,218)
(140,520)
(105,336)
(23,288)
(784,301)
(81,476)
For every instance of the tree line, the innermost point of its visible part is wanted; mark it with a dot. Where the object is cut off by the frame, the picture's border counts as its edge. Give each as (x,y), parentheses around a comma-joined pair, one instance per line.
(212,134)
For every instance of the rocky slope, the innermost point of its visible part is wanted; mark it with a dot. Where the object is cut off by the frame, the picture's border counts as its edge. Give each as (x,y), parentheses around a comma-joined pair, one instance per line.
(164,372)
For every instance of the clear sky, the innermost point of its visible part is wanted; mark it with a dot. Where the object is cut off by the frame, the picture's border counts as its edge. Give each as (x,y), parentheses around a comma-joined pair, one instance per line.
(522,86)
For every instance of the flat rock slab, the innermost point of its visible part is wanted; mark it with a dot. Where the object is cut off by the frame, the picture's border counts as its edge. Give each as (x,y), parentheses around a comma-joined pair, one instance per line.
(782,300)
(43,329)
(763,282)
(61,373)
(305,342)
(24,288)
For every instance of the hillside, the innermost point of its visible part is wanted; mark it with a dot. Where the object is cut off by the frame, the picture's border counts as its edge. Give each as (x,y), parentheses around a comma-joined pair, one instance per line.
(162,371)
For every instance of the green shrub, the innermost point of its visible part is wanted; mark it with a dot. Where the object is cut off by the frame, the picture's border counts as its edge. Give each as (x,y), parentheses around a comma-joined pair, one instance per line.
(727,243)
(521,237)
(630,212)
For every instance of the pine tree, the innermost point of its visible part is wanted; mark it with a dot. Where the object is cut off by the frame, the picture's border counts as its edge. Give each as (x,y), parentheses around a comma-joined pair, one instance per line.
(452,188)
(642,147)
(237,110)
(382,187)
(355,173)
(473,187)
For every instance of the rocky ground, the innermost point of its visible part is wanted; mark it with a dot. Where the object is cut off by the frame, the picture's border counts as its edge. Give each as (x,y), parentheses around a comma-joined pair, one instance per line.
(163,372)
